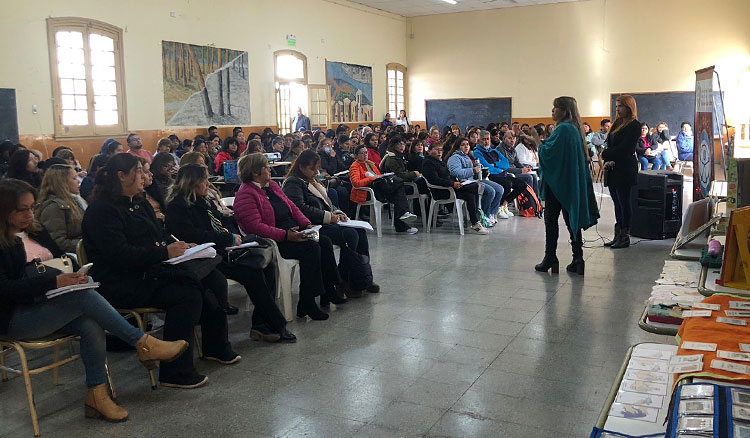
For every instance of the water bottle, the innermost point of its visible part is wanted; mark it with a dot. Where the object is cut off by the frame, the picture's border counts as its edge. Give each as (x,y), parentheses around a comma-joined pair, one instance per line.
(478,175)
(675,205)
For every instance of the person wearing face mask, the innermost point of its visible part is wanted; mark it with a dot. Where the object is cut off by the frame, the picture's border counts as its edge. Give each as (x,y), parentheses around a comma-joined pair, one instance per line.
(437,173)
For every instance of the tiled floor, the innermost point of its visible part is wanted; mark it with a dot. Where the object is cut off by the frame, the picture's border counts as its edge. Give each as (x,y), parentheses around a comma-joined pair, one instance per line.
(465,340)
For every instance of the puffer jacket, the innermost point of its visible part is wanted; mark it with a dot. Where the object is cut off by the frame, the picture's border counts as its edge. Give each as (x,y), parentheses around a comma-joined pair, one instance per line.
(57,217)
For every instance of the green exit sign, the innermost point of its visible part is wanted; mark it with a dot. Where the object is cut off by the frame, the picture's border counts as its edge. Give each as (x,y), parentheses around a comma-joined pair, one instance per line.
(291,41)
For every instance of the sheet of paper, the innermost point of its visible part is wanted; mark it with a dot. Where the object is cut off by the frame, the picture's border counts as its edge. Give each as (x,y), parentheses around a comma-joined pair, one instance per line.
(351,223)
(243,245)
(311,230)
(203,251)
(72,288)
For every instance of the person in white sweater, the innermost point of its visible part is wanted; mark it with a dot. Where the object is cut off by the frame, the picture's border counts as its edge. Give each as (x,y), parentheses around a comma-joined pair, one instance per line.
(526,152)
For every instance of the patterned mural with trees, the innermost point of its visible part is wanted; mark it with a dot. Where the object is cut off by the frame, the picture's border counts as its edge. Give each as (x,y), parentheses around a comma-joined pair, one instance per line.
(205,85)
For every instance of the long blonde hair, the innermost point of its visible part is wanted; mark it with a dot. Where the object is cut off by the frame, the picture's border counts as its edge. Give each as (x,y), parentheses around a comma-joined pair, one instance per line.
(188,178)
(55,183)
(621,122)
(570,108)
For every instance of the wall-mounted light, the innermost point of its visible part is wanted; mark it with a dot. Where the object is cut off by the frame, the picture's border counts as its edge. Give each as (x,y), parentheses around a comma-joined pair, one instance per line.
(453,2)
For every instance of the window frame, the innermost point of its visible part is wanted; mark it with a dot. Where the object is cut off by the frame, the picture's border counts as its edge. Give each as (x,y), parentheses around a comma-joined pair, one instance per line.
(296,54)
(87,26)
(280,83)
(398,68)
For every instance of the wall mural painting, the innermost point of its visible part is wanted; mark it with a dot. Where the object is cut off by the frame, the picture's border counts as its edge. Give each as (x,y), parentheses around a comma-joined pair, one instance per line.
(205,85)
(351,92)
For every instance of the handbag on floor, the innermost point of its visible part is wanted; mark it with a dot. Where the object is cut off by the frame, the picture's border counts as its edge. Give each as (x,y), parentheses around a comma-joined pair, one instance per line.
(355,268)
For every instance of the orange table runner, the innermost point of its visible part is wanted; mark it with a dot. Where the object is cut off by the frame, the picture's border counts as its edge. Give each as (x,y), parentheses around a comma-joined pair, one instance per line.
(725,336)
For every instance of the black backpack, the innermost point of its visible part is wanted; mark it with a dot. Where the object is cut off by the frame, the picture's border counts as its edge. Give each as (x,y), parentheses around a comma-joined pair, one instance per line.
(355,268)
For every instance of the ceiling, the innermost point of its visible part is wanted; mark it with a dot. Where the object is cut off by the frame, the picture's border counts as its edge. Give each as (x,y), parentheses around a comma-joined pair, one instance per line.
(413,8)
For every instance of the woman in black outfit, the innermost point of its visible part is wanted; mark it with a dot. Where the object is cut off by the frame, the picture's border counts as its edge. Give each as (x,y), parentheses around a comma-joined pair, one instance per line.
(127,246)
(436,173)
(621,166)
(190,216)
(303,189)
(162,167)
(24,165)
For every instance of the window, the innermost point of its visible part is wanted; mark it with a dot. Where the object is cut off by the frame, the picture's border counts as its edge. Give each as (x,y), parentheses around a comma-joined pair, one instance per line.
(318,105)
(87,80)
(396,80)
(290,72)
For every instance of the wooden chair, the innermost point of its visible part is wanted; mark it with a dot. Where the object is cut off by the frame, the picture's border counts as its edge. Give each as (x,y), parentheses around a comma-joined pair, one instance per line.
(21,347)
(138,314)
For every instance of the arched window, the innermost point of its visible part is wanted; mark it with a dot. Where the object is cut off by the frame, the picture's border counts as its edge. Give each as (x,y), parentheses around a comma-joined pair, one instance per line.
(290,73)
(396,80)
(87,80)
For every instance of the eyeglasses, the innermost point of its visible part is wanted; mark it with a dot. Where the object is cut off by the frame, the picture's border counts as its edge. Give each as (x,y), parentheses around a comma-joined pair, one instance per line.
(26,209)
(362,153)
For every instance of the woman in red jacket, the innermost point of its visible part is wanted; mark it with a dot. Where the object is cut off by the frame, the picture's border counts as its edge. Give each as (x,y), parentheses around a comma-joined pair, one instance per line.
(364,173)
(262,208)
(229,151)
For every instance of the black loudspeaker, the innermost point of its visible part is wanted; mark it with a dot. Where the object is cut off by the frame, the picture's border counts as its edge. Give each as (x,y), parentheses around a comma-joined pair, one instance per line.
(657,204)
(8,115)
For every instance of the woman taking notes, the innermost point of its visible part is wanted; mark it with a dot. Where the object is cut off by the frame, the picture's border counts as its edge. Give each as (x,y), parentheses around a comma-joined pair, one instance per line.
(565,184)
(622,166)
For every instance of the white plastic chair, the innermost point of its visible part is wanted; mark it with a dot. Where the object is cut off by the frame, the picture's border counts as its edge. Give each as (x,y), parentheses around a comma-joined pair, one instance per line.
(459,203)
(285,269)
(422,199)
(229,202)
(377,214)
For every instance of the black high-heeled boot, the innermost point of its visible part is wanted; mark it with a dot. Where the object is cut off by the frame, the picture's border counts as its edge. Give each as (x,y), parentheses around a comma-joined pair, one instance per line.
(624,240)
(549,262)
(616,236)
(577,265)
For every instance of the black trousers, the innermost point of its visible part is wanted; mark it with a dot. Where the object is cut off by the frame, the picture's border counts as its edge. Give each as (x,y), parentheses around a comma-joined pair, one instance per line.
(395,194)
(318,272)
(552,211)
(186,304)
(260,285)
(469,194)
(512,186)
(623,209)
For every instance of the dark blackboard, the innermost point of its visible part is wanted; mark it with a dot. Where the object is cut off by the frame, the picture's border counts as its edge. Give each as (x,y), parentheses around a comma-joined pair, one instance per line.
(672,107)
(467,112)
(8,115)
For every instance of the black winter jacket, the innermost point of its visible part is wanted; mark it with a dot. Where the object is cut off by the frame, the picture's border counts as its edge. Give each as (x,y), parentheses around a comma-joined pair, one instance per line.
(193,224)
(621,150)
(317,210)
(14,289)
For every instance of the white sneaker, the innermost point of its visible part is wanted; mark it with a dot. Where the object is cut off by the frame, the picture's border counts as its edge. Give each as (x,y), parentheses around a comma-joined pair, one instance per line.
(508,212)
(408,217)
(479,229)
(411,230)
(491,219)
(501,213)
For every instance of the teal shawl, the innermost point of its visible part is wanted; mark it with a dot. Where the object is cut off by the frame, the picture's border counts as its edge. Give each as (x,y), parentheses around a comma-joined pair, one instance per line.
(563,169)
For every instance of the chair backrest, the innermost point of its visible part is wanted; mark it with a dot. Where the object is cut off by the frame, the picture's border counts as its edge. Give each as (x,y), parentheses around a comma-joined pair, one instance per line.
(434,187)
(229,201)
(81,254)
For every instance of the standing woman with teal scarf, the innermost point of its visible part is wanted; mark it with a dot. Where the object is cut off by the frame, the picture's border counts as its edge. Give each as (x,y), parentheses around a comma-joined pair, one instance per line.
(566,184)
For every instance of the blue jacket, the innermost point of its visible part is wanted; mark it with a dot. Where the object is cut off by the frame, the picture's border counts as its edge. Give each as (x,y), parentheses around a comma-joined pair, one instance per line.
(684,146)
(492,159)
(460,166)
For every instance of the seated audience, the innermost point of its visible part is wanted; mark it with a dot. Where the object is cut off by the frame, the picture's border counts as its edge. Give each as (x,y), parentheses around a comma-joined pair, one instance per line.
(386,122)
(193,218)
(434,135)
(214,194)
(345,151)
(261,208)
(163,167)
(135,147)
(26,314)
(437,173)
(497,164)
(304,190)
(294,150)
(525,173)
(589,133)
(164,146)
(60,208)
(365,173)
(662,145)
(462,168)
(239,135)
(152,194)
(24,165)
(396,162)
(685,142)
(127,247)
(644,152)
(416,155)
(229,151)
(599,139)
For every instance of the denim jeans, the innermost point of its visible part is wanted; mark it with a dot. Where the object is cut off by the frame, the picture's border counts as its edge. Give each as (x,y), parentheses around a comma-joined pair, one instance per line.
(656,164)
(83,313)
(491,197)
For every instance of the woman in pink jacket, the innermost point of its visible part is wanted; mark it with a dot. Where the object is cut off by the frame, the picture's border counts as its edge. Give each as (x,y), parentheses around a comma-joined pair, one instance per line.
(262,208)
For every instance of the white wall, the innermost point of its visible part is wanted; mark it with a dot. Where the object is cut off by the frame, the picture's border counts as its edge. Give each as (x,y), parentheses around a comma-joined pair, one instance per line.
(339,31)
(583,49)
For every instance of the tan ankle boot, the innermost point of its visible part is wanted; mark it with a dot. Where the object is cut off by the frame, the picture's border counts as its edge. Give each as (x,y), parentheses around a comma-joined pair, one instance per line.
(152,350)
(99,405)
